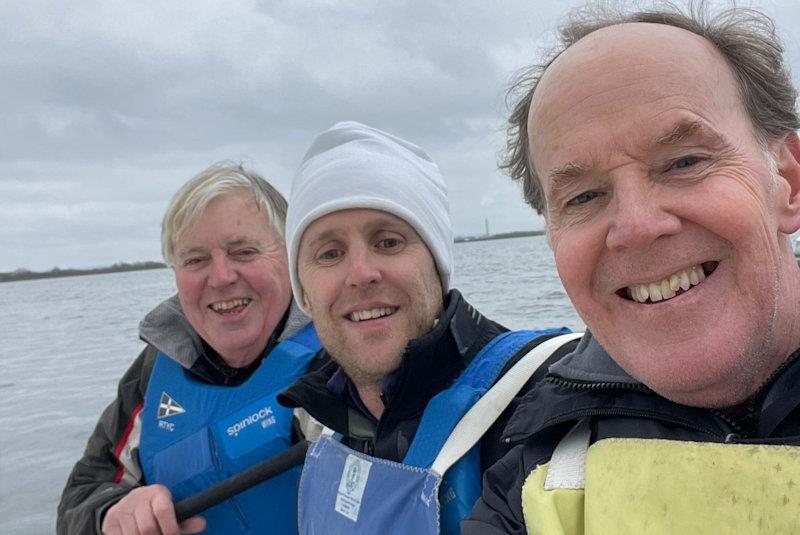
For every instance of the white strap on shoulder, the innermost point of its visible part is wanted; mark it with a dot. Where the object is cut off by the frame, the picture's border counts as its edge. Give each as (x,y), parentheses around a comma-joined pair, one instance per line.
(486,410)
(309,426)
(567,468)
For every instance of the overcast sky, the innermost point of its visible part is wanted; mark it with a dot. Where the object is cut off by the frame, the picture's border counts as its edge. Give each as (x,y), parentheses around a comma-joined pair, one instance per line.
(107,107)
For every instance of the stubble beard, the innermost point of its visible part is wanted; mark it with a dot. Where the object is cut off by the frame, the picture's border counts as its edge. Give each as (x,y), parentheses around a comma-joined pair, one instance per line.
(358,362)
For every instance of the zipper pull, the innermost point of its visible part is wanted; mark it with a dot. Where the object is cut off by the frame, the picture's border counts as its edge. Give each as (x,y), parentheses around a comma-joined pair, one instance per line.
(732,438)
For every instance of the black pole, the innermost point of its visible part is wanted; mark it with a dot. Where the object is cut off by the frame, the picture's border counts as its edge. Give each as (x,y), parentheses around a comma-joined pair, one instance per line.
(242,481)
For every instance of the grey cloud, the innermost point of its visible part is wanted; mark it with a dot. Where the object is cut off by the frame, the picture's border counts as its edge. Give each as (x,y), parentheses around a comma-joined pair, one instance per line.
(107,106)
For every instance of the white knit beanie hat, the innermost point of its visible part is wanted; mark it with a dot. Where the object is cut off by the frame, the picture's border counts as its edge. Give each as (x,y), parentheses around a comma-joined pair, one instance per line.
(352,165)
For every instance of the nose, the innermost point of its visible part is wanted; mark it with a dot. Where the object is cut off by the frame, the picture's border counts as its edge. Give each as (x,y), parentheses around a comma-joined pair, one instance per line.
(222,272)
(363,269)
(639,216)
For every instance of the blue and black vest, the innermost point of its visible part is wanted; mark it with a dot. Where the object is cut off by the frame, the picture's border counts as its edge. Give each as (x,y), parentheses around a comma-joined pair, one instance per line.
(347,492)
(195,435)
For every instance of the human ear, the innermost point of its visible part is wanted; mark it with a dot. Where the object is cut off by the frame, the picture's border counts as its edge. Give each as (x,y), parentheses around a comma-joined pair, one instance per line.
(787,158)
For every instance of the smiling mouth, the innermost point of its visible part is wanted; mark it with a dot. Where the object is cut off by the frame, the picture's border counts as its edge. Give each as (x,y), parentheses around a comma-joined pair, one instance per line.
(371,314)
(669,287)
(230,307)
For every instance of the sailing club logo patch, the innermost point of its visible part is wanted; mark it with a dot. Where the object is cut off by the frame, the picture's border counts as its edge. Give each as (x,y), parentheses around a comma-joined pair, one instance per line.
(351,487)
(168,406)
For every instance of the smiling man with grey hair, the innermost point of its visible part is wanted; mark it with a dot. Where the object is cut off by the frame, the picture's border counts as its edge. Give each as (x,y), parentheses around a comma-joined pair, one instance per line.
(198,404)
(661,148)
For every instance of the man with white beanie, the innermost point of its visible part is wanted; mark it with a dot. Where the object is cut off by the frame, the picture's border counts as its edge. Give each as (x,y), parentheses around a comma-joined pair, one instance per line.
(370,250)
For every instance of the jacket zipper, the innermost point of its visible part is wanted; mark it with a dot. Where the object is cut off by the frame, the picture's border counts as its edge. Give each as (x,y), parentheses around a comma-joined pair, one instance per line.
(734,434)
(737,431)
(626,412)
(370,444)
(741,435)
(218,466)
(598,386)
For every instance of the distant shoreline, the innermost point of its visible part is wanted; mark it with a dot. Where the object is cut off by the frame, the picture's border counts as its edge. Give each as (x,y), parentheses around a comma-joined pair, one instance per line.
(23,274)
(501,236)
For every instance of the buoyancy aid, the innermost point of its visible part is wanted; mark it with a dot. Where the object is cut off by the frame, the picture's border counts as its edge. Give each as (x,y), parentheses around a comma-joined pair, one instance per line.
(347,492)
(195,435)
(658,486)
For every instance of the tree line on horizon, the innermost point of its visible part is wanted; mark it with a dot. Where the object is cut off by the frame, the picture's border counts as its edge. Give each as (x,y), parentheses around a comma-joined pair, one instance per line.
(25,274)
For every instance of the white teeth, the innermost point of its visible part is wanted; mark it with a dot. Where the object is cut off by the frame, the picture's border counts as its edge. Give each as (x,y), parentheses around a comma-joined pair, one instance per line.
(668,287)
(693,278)
(637,293)
(222,306)
(674,282)
(701,276)
(685,282)
(361,315)
(655,292)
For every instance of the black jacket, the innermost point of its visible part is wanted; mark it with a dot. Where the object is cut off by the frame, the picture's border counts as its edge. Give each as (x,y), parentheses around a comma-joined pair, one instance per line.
(588,383)
(429,365)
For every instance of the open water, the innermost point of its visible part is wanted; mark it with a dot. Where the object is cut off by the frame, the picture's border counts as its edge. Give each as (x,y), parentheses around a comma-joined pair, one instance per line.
(64,344)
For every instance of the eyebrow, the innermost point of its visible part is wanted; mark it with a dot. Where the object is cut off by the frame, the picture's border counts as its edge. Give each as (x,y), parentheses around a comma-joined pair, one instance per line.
(562,178)
(236,241)
(316,240)
(687,130)
(382,223)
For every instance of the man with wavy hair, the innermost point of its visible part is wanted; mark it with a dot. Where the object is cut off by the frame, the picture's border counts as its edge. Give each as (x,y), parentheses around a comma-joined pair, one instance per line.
(198,404)
(661,148)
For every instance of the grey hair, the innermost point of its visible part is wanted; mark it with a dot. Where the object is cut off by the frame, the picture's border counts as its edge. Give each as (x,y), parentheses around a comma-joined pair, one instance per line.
(746,38)
(218,179)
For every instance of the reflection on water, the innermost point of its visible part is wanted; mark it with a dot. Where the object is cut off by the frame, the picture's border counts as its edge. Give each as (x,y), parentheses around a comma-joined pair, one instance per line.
(66,342)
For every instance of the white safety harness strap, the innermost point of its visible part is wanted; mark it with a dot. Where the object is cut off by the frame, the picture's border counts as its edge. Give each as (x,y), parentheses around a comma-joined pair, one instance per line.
(488,408)
(567,468)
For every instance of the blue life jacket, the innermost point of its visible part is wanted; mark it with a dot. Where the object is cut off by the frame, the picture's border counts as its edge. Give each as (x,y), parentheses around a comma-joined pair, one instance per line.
(195,435)
(348,492)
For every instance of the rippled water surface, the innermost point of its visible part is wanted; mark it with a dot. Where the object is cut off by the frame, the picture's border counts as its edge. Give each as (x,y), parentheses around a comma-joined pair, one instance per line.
(66,342)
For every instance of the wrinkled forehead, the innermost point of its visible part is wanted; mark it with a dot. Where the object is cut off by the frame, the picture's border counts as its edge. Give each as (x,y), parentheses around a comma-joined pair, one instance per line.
(606,58)
(631,70)
(219,207)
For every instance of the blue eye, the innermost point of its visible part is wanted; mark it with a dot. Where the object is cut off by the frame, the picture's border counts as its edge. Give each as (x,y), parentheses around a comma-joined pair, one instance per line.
(687,161)
(584,197)
(388,243)
(330,254)
(193,261)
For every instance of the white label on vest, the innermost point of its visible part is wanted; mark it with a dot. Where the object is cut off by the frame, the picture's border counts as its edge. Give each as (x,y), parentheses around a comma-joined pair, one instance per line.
(351,486)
